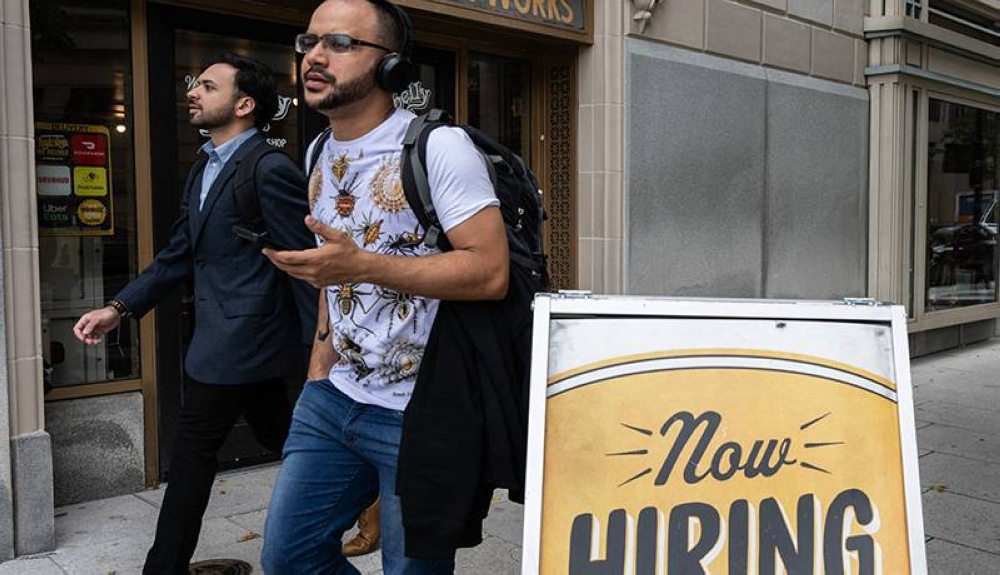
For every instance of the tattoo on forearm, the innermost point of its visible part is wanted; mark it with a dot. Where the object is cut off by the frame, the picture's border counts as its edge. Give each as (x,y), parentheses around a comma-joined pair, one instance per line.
(322,334)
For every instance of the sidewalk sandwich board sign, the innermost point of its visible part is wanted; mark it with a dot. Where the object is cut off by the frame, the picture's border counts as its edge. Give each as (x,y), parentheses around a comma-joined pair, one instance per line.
(685,437)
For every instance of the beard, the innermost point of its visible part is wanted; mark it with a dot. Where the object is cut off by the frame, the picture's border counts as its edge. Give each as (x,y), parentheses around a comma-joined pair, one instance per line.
(208,120)
(348,92)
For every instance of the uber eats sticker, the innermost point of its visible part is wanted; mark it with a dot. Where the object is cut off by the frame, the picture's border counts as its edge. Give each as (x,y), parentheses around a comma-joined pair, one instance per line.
(730,461)
(73,171)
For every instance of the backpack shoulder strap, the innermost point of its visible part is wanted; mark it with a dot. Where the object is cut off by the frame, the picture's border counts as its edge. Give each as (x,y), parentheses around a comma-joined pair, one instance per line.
(414,175)
(245,187)
(315,149)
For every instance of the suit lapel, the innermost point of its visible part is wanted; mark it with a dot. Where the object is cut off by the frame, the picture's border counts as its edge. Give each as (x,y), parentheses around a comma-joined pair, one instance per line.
(194,193)
(219,184)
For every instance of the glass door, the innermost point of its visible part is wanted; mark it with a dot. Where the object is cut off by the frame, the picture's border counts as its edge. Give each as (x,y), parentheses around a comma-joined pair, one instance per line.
(499,100)
(494,95)
(193,48)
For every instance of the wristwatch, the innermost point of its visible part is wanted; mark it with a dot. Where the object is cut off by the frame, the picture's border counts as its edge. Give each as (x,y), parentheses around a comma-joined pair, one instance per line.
(119,307)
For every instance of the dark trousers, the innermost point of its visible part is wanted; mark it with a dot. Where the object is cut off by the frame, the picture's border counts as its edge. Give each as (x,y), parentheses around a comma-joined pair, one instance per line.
(208,413)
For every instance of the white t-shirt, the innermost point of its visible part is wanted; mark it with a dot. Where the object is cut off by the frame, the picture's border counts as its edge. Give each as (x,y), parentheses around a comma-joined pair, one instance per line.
(381,334)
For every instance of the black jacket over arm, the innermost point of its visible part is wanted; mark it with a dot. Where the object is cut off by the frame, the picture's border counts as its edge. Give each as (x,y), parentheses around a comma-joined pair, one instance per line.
(465,428)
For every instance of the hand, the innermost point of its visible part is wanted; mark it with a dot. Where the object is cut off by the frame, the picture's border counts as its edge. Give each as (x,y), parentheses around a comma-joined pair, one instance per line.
(96,323)
(339,260)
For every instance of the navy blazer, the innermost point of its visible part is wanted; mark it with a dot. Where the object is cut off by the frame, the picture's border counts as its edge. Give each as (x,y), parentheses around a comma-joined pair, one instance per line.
(251,319)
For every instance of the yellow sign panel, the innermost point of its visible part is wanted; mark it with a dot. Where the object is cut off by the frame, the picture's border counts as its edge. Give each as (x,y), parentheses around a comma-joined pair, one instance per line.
(690,460)
(90,181)
(701,469)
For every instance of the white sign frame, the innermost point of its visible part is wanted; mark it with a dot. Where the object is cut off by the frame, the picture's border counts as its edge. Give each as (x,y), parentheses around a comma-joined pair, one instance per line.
(549,306)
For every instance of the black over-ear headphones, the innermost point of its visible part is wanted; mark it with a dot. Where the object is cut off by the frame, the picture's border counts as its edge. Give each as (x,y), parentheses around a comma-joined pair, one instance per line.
(395,71)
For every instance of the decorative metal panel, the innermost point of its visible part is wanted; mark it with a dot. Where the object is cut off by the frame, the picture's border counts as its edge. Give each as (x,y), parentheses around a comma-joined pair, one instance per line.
(559,197)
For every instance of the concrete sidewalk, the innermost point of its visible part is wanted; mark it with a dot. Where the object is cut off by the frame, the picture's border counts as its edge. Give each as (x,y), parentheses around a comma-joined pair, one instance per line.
(957,397)
(958,418)
(112,536)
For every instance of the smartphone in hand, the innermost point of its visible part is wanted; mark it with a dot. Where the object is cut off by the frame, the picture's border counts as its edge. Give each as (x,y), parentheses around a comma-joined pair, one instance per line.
(261,240)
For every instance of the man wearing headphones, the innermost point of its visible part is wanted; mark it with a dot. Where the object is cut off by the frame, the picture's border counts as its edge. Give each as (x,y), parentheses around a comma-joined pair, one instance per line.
(382,288)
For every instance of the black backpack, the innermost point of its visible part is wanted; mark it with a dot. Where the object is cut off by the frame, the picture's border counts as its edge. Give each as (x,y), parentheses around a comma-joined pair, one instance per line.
(516,188)
(317,149)
(245,187)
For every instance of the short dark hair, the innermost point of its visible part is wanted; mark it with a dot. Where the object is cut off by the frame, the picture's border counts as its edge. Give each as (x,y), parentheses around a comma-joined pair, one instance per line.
(255,80)
(389,27)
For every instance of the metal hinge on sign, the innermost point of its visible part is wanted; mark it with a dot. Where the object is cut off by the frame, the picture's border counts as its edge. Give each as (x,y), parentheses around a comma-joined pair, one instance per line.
(859,301)
(575,293)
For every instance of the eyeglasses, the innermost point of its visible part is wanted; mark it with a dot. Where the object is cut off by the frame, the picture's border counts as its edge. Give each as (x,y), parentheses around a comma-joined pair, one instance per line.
(336,43)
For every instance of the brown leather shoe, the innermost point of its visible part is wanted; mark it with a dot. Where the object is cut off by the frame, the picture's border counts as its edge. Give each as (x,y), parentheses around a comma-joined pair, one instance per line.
(367,538)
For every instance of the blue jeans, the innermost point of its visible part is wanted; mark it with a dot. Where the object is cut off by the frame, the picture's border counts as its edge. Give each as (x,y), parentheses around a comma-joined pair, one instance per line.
(338,457)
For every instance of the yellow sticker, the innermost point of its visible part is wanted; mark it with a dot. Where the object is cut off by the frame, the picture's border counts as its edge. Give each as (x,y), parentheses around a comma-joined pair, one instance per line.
(91,212)
(90,181)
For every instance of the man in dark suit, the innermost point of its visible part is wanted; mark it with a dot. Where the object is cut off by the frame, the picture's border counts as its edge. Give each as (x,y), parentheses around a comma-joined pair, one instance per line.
(251,320)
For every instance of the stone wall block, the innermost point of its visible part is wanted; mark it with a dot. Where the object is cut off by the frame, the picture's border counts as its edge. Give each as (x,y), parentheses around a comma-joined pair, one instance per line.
(786,44)
(774,5)
(817,174)
(613,267)
(848,15)
(34,522)
(97,445)
(611,92)
(833,56)
(21,287)
(18,201)
(611,211)
(586,136)
(585,204)
(6,491)
(585,263)
(614,24)
(14,13)
(15,86)
(817,11)
(860,62)
(588,79)
(734,30)
(611,138)
(677,22)
(695,190)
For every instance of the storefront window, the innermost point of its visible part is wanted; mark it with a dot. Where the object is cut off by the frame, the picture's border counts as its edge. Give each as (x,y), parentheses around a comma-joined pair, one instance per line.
(85,189)
(962,212)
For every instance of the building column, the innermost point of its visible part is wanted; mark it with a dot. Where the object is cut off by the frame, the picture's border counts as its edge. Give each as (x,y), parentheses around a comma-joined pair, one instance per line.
(27,523)
(889,211)
(601,128)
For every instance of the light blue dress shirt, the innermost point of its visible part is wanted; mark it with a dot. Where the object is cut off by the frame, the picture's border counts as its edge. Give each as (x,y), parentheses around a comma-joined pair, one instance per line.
(217,157)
